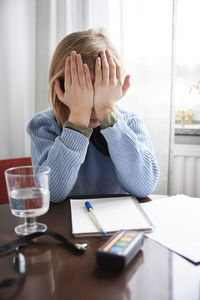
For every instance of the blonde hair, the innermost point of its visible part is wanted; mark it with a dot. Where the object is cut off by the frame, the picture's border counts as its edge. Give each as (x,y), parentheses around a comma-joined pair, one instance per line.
(87,43)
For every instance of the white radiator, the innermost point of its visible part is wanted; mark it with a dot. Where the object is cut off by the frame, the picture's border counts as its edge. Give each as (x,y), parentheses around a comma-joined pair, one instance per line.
(186,170)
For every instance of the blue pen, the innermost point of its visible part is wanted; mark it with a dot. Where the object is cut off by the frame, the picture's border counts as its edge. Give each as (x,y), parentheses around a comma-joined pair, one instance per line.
(96,221)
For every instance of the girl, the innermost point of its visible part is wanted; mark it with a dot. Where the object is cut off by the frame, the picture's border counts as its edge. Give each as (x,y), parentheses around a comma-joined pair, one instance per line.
(91,146)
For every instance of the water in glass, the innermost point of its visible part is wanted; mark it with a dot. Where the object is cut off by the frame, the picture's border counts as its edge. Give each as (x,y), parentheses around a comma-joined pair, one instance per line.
(29,202)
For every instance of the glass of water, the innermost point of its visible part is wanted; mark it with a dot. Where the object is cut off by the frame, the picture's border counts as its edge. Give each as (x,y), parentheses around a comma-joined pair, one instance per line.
(29,197)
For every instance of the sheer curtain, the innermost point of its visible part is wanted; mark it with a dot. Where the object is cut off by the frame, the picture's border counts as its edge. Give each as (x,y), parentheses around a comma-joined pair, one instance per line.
(147,40)
(30,31)
(17,74)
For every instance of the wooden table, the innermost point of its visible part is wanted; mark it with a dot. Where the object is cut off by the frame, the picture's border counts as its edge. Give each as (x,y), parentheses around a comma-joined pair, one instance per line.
(54,272)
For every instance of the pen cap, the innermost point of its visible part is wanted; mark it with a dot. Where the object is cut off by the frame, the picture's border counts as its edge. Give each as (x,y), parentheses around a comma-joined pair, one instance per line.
(88,205)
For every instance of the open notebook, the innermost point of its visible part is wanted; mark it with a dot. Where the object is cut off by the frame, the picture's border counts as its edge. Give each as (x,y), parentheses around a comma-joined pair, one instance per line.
(114,214)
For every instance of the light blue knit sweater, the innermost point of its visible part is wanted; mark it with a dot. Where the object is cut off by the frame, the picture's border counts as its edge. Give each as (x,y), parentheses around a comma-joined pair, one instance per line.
(78,168)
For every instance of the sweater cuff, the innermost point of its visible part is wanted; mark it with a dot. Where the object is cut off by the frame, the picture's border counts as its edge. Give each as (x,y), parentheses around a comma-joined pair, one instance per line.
(82,129)
(110,119)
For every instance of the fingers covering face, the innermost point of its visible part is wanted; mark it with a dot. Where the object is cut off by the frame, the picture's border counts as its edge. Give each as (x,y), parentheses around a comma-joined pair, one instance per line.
(118,70)
(98,72)
(112,66)
(68,79)
(76,73)
(107,68)
(88,77)
(80,70)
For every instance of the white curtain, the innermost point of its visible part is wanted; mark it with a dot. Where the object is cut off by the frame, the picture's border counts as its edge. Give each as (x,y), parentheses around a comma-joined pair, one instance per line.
(30,31)
(147,32)
(17,74)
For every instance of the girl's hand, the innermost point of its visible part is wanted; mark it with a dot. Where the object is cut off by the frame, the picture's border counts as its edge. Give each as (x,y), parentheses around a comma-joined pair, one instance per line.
(108,85)
(78,94)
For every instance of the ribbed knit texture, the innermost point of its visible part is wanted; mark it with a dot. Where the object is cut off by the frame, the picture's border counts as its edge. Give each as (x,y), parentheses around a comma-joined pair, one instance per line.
(78,168)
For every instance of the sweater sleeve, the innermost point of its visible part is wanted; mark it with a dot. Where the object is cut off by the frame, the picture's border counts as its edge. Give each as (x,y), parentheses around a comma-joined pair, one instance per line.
(63,151)
(131,151)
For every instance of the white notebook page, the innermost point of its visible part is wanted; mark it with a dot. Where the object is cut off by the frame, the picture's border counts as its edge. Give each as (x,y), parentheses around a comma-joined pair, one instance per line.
(113,214)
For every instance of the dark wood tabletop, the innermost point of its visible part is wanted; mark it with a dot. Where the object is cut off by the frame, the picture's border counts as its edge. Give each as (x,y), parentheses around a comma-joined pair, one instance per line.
(54,272)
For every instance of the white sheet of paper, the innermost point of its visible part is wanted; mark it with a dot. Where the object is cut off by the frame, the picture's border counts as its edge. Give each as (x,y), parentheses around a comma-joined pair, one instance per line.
(113,214)
(177,224)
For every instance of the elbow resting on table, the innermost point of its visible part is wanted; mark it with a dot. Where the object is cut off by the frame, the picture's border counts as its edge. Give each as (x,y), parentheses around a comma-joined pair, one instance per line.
(148,184)
(145,183)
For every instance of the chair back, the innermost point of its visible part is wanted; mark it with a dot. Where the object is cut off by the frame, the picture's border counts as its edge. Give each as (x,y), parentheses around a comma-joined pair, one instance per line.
(6,164)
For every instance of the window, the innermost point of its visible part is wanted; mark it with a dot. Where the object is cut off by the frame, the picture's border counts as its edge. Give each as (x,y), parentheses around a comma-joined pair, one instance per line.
(187,87)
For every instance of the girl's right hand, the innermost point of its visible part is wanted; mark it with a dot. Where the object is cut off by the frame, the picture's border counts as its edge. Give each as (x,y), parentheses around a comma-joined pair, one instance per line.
(78,94)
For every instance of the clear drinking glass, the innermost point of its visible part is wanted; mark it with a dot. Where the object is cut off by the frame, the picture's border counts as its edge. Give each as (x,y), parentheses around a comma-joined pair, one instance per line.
(29,197)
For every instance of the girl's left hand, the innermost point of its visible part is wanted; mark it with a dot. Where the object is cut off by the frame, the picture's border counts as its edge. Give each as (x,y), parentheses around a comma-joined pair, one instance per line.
(108,85)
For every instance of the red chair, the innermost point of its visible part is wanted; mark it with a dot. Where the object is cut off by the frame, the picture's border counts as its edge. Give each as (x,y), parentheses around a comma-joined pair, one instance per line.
(9,163)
